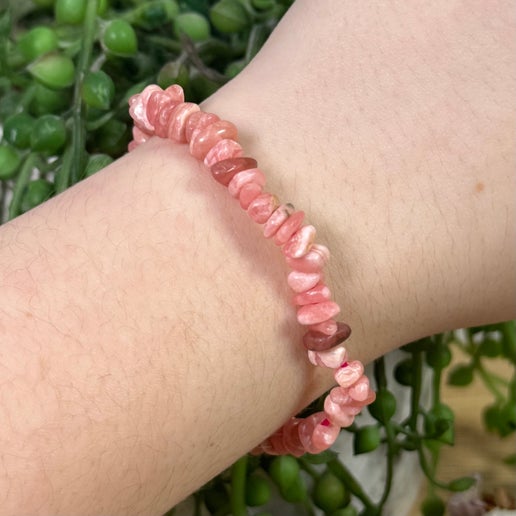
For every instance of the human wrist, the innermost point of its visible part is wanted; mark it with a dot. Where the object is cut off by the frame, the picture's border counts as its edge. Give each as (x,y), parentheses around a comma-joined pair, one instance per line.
(213,143)
(320,191)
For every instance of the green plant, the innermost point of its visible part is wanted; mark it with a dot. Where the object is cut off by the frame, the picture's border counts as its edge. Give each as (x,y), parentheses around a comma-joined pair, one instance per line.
(67,69)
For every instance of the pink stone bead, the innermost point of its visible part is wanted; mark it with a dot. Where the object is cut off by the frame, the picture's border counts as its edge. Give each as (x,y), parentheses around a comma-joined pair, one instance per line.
(252,175)
(199,120)
(275,221)
(359,391)
(162,120)
(257,450)
(140,136)
(276,441)
(289,227)
(314,260)
(224,149)
(224,171)
(300,242)
(319,312)
(314,295)
(204,139)
(325,434)
(331,358)
(353,409)
(138,108)
(370,397)
(291,439)
(175,93)
(340,396)
(302,281)
(337,413)
(313,358)
(262,206)
(157,103)
(306,429)
(328,327)
(318,341)
(177,121)
(346,376)
(133,99)
(267,447)
(248,193)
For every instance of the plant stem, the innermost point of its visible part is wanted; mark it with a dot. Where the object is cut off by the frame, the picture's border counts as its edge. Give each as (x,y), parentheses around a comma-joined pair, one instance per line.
(391,451)
(237,496)
(417,358)
(424,466)
(381,380)
(169,44)
(21,182)
(308,468)
(436,387)
(71,167)
(489,381)
(27,97)
(257,37)
(3,195)
(509,336)
(198,505)
(5,29)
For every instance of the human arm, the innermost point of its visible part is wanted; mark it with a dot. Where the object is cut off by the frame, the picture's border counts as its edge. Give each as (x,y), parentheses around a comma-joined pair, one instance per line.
(145,325)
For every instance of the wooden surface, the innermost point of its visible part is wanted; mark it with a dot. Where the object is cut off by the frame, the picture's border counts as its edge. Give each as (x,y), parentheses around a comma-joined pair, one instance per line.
(475,450)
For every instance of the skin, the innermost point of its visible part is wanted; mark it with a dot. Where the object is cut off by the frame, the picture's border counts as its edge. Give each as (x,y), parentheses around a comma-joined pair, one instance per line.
(145,325)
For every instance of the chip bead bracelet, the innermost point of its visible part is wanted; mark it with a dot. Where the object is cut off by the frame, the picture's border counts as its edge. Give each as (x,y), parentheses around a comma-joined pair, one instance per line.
(164,113)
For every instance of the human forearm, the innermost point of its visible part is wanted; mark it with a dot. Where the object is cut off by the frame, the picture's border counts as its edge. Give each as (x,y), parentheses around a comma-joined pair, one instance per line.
(146,326)
(131,342)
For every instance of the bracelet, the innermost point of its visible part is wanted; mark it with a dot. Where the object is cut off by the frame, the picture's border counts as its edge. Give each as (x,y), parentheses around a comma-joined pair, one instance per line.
(213,141)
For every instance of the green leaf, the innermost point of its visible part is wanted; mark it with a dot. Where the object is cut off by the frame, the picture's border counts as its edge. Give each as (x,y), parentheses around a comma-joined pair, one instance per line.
(366,439)
(461,484)
(37,42)
(98,90)
(97,162)
(383,407)
(492,417)
(330,493)
(439,424)
(439,356)
(433,506)
(36,192)
(193,25)
(284,470)
(54,71)
(461,375)
(509,341)
(510,460)
(5,23)
(228,16)
(10,161)
(257,490)
(490,348)
(120,39)
(295,492)
(403,372)
(320,458)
